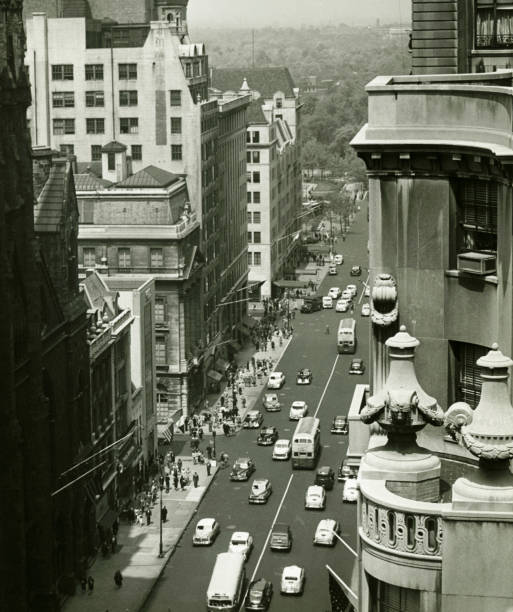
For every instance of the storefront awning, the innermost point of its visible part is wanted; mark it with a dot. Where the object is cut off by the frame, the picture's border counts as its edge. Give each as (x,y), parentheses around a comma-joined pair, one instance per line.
(214,375)
(318,248)
(290,284)
(249,322)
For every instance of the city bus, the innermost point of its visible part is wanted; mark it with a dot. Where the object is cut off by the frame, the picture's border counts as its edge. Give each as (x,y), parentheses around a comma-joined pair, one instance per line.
(306,443)
(225,590)
(346,336)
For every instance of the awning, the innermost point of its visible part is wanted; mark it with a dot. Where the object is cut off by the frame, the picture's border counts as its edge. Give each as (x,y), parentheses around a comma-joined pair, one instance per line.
(235,345)
(290,284)
(318,248)
(221,365)
(214,375)
(249,322)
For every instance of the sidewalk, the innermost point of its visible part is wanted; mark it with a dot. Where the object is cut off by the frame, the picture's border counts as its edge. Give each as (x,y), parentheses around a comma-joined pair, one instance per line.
(137,552)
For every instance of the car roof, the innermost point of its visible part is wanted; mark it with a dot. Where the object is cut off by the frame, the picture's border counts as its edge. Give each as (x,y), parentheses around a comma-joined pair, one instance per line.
(340,417)
(277,373)
(356,360)
(298,403)
(268,427)
(206,521)
(259,584)
(326,523)
(253,412)
(242,459)
(351,483)
(240,535)
(314,489)
(295,570)
(271,394)
(260,481)
(282,441)
(325,469)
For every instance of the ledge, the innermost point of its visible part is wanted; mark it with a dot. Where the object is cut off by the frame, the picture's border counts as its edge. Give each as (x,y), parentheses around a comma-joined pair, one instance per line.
(491,278)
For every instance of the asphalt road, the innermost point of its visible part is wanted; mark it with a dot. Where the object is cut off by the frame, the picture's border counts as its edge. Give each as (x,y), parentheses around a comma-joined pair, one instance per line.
(182,586)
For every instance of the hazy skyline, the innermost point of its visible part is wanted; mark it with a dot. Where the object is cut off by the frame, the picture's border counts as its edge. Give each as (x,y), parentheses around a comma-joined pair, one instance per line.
(295,13)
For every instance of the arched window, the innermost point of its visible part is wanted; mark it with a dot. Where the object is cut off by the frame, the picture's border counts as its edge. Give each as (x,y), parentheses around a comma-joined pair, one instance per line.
(431,533)
(391,528)
(410,531)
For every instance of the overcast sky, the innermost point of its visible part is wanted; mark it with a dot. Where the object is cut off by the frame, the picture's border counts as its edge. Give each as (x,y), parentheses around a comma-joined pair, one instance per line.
(259,13)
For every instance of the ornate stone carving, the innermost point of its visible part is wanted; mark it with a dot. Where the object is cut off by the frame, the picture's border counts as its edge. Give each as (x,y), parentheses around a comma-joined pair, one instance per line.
(385,303)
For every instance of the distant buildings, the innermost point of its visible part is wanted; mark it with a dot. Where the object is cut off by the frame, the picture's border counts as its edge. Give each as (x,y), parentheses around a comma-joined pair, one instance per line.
(273,170)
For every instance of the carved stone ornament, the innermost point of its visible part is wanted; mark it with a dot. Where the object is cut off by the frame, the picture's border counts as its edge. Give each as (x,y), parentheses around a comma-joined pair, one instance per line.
(384,300)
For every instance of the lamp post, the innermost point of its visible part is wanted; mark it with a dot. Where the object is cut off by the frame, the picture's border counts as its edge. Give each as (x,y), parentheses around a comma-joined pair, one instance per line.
(161,545)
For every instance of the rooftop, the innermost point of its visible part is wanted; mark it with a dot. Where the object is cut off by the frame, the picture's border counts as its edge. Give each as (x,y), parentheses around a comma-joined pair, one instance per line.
(266,81)
(151,176)
(48,212)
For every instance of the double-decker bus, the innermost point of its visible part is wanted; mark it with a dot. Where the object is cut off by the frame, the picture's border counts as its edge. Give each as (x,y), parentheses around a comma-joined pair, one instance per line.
(306,443)
(346,336)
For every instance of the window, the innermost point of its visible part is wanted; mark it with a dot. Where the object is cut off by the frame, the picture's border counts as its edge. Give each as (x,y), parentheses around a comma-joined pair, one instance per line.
(257,258)
(94,98)
(256,177)
(111,161)
(279,116)
(175,97)
(256,197)
(94,72)
(127,71)
(385,597)
(129,125)
(188,71)
(279,102)
(160,350)
(89,257)
(477,214)
(256,157)
(256,136)
(431,525)
(176,152)
(256,217)
(62,72)
(250,258)
(160,310)
(95,126)
(96,152)
(249,238)
(63,126)
(493,24)
(410,531)
(468,374)
(248,196)
(196,69)
(136,152)
(156,258)
(128,97)
(176,125)
(257,237)
(248,157)
(124,258)
(249,217)
(67,149)
(248,137)
(391,528)
(63,99)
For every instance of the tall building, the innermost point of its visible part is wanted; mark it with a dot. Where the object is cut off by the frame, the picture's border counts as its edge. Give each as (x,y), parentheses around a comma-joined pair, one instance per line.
(273,170)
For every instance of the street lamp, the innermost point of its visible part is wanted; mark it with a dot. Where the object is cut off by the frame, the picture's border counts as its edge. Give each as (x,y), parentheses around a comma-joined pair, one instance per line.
(161,545)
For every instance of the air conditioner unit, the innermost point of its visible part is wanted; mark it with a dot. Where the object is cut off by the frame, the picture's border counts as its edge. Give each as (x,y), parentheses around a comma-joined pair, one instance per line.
(477,263)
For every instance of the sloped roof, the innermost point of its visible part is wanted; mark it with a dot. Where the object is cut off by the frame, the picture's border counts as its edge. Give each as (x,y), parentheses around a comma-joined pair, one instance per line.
(151,176)
(48,211)
(89,182)
(90,167)
(254,113)
(113,147)
(97,295)
(267,81)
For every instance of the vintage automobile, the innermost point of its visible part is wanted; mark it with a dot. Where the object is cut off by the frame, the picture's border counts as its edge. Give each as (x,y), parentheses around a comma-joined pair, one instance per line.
(282,450)
(357,366)
(276,380)
(356,271)
(259,595)
(261,490)
(271,402)
(206,532)
(352,289)
(350,493)
(241,542)
(366,310)
(332,270)
(315,498)
(339,425)
(335,293)
(342,305)
(281,537)
(253,419)
(292,580)
(304,376)
(325,532)
(267,436)
(338,259)
(298,410)
(346,471)
(242,469)
(325,477)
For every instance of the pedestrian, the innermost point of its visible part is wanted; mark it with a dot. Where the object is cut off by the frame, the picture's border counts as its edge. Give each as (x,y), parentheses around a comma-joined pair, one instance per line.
(118,579)
(209,451)
(182,483)
(195,479)
(171,456)
(209,467)
(163,514)
(90,584)
(175,481)
(148,516)
(113,544)
(327,329)
(83,584)
(179,465)
(167,479)
(200,433)
(115,527)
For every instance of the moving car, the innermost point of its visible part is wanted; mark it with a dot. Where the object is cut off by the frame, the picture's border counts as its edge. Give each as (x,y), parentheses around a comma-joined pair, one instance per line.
(242,469)
(304,376)
(327,302)
(338,259)
(352,289)
(335,293)
(253,419)
(259,595)
(282,450)
(356,271)
(325,532)
(298,410)
(342,305)
(292,580)
(366,310)
(315,498)
(325,477)
(350,493)
(241,542)
(206,532)
(261,490)
(271,402)
(267,436)
(332,271)
(366,293)
(357,366)
(276,380)
(347,295)
(346,471)
(281,537)
(339,425)
(311,304)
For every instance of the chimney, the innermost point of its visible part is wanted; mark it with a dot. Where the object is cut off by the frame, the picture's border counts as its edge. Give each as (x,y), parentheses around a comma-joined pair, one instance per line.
(114,162)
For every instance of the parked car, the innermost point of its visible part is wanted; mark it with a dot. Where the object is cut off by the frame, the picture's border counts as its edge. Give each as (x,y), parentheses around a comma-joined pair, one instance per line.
(241,542)
(338,259)
(304,376)
(311,304)
(315,498)
(327,302)
(339,425)
(346,471)
(342,305)
(292,580)
(366,310)
(253,419)
(276,380)
(271,402)
(332,271)
(206,532)
(350,493)
(352,289)
(298,410)
(281,537)
(242,469)
(325,477)
(335,293)
(259,595)
(267,436)
(325,532)
(282,450)
(357,366)
(356,271)
(366,293)
(261,490)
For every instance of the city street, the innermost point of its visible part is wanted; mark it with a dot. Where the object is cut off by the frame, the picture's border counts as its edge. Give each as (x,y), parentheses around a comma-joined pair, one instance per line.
(182,586)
